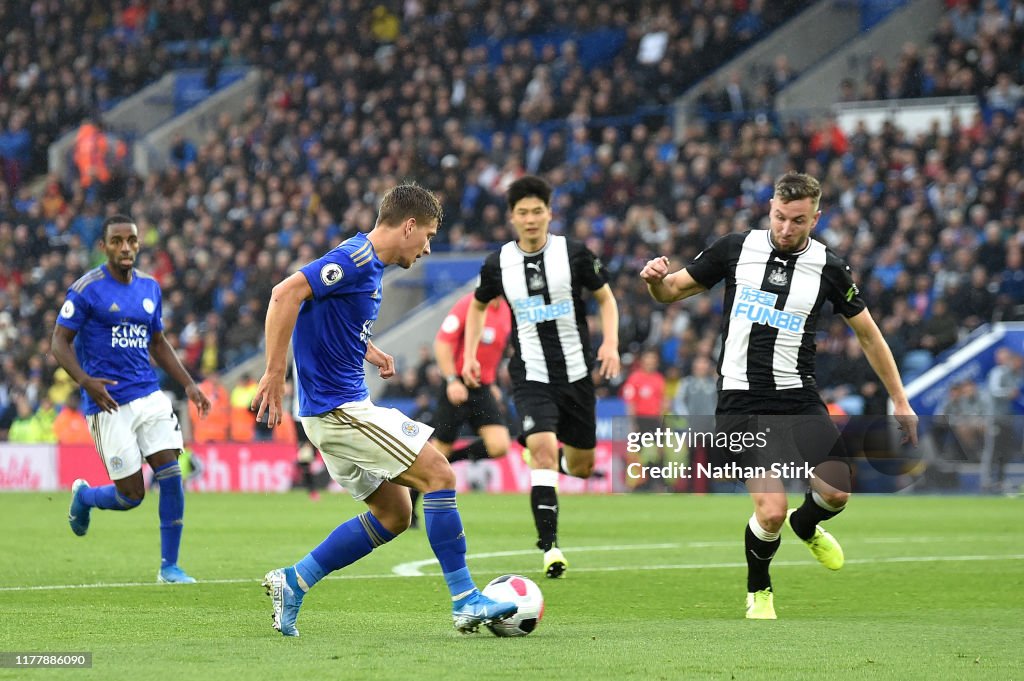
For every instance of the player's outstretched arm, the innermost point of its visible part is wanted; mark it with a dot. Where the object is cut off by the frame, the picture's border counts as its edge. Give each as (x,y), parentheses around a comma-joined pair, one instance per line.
(283,310)
(665,287)
(64,353)
(608,354)
(881,360)
(475,315)
(167,359)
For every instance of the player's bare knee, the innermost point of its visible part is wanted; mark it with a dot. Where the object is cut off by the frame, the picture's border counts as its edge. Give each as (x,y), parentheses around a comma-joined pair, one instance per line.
(135,495)
(835,498)
(544,457)
(771,512)
(396,521)
(771,522)
(581,469)
(132,488)
(440,477)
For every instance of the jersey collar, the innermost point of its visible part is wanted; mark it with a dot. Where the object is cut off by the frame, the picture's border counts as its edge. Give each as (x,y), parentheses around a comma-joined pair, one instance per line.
(768,233)
(547,242)
(110,275)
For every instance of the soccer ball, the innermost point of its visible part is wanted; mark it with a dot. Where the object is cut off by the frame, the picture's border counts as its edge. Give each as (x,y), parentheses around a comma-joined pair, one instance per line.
(524,593)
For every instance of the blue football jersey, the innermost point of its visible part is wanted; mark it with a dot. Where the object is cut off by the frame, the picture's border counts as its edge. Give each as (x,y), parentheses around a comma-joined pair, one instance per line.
(329,341)
(114,325)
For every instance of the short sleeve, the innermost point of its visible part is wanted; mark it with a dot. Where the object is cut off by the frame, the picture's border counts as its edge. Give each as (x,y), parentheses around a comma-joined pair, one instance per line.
(842,290)
(712,264)
(74,311)
(330,275)
(587,267)
(489,285)
(158,314)
(454,322)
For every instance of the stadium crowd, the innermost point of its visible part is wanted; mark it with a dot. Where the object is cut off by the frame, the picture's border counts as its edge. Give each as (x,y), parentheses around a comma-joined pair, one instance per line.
(975,51)
(455,96)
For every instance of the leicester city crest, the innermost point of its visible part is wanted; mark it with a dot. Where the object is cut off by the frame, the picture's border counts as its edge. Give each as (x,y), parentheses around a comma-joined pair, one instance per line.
(410,428)
(116,463)
(778,277)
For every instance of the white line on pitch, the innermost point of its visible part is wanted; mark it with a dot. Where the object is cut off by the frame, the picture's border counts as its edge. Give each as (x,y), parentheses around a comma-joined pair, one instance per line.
(613,568)
(412,568)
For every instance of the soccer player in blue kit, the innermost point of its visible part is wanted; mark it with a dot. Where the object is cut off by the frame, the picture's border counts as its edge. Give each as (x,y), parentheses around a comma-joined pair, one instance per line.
(328,309)
(108,328)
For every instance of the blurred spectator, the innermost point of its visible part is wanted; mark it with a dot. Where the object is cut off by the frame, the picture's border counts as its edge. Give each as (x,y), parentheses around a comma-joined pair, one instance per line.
(32,427)
(968,411)
(698,391)
(972,303)
(964,20)
(941,329)
(243,421)
(183,152)
(15,151)
(1005,381)
(97,155)
(216,427)
(70,426)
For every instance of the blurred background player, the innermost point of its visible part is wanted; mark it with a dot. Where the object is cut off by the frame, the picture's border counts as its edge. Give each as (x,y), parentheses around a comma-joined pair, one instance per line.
(328,308)
(305,454)
(113,317)
(644,395)
(542,276)
(458,404)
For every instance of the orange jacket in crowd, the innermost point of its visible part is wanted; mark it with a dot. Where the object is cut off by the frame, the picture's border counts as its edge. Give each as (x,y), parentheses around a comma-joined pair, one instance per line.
(216,427)
(71,428)
(243,421)
(285,433)
(91,153)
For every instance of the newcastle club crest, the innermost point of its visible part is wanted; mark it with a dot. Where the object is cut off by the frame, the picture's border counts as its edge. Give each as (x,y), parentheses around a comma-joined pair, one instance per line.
(534,278)
(778,277)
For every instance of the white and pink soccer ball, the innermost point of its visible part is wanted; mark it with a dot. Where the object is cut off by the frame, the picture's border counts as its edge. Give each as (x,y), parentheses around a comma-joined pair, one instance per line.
(525,593)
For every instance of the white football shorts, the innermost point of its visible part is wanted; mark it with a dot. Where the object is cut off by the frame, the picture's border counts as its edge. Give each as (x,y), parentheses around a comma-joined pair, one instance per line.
(363,444)
(140,428)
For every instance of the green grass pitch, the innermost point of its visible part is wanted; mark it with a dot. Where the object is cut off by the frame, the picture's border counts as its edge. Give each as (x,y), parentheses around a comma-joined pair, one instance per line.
(933,588)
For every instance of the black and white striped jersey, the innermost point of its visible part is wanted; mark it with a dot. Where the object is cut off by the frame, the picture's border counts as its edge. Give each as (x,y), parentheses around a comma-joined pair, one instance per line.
(549,324)
(771,307)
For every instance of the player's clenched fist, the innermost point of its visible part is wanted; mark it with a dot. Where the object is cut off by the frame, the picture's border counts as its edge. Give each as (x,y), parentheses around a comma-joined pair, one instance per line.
(655,270)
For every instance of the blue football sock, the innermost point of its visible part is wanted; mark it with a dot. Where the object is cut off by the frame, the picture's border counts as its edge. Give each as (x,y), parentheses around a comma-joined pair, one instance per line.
(448,540)
(172,511)
(349,542)
(107,498)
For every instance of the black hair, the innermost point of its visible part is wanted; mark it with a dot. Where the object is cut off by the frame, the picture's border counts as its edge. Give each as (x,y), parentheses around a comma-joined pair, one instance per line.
(527,186)
(116,220)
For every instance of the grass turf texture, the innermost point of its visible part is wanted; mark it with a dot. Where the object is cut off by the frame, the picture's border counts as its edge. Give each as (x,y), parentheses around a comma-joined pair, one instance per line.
(932,589)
